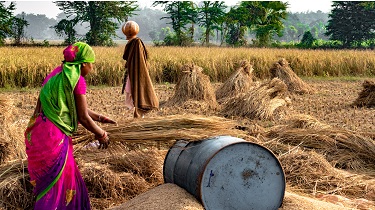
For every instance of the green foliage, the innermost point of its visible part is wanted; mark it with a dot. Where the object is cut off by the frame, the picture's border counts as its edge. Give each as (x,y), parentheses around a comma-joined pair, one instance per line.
(65,28)
(265,19)
(307,39)
(235,27)
(100,15)
(6,20)
(351,21)
(210,16)
(18,29)
(180,13)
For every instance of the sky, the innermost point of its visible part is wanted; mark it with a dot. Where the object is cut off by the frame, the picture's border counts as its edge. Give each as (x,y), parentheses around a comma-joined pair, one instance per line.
(49,9)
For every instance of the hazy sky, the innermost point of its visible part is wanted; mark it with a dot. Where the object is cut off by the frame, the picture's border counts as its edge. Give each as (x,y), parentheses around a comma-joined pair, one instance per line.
(50,9)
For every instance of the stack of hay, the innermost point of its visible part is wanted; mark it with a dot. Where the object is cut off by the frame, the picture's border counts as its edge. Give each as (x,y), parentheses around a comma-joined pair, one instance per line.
(193,90)
(366,97)
(239,81)
(282,70)
(263,102)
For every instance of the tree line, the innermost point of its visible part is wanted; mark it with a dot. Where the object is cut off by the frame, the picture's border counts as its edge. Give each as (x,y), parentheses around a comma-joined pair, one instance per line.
(248,23)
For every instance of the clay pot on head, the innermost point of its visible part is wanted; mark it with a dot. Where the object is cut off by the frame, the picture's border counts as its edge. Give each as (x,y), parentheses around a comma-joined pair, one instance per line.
(130,29)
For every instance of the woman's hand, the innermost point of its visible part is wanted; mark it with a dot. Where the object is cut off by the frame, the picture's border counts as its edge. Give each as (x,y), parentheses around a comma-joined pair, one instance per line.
(104,119)
(103,140)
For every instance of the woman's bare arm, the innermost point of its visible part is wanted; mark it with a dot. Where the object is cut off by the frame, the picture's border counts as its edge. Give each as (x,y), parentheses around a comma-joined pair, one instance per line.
(100,118)
(84,117)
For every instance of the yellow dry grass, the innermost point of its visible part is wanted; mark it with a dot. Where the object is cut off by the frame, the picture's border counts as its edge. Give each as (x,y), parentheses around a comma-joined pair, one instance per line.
(28,66)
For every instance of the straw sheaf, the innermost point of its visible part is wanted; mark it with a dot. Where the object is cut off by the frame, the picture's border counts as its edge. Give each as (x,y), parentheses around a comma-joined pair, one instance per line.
(311,173)
(193,85)
(282,70)
(259,103)
(239,81)
(366,97)
(343,149)
(188,127)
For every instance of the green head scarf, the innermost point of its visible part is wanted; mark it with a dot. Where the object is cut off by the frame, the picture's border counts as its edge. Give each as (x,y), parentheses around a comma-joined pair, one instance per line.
(57,96)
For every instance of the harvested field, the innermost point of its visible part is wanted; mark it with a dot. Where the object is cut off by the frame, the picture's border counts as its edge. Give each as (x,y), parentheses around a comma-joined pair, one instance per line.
(321,133)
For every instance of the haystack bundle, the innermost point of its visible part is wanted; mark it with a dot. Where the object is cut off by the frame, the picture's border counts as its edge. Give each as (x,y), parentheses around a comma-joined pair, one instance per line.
(366,97)
(259,103)
(282,70)
(239,81)
(344,149)
(312,173)
(173,127)
(193,86)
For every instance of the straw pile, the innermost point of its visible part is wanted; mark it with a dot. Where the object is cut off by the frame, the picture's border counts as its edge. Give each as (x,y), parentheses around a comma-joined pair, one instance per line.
(15,188)
(342,148)
(293,201)
(260,103)
(295,84)
(165,196)
(193,86)
(173,127)
(239,81)
(366,97)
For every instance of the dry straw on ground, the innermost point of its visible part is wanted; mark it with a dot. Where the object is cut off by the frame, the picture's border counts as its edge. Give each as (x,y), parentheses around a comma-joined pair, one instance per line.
(305,121)
(282,70)
(120,174)
(367,96)
(6,109)
(193,86)
(343,148)
(11,139)
(239,81)
(311,173)
(259,103)
(15,188)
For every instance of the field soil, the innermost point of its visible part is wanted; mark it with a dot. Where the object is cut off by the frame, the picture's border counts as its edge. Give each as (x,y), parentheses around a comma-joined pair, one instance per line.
(330,104)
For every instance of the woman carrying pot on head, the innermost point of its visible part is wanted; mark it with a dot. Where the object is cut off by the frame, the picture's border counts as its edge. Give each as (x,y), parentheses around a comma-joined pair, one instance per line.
(48,137)
(140,94)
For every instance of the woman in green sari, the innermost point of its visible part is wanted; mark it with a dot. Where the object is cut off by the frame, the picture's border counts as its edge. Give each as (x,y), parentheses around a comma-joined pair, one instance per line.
(48,137)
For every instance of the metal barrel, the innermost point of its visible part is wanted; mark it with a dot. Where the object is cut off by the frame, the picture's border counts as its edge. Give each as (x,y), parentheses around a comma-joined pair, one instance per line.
(226,172)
